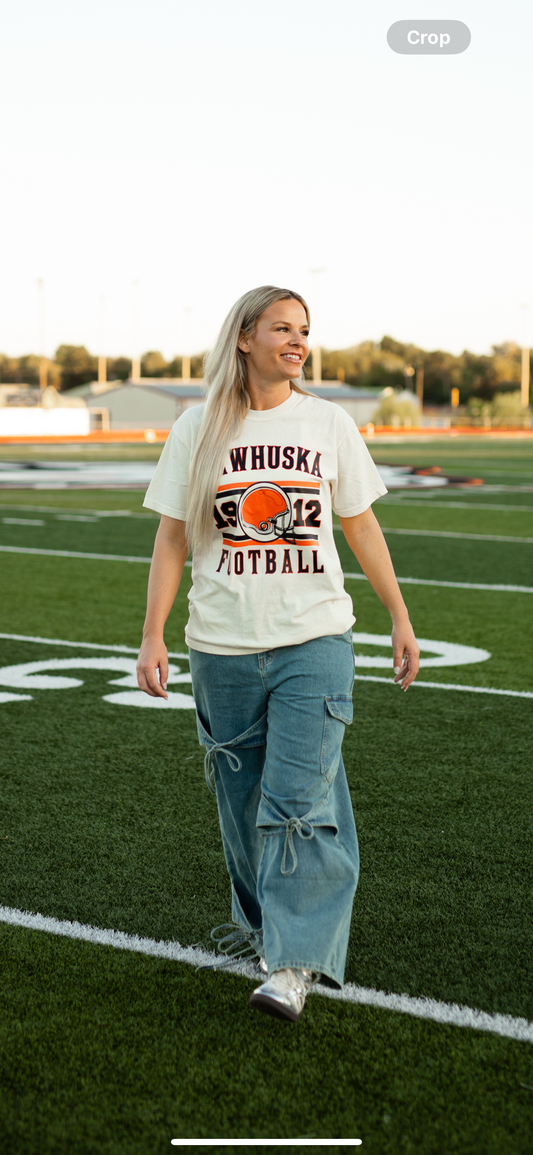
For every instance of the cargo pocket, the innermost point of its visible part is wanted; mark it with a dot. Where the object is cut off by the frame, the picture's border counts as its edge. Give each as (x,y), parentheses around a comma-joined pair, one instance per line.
(338,713)
(254,736)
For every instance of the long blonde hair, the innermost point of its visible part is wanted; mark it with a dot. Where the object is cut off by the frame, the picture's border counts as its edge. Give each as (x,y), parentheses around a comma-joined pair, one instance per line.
(226,407)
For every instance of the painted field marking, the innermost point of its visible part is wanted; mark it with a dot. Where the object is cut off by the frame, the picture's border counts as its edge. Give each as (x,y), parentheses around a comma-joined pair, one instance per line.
(453,533)
(50,673)
(72,553)
(80,645)
(498,588)
(22,521)
(56,510)
(265,1142)
(337,529)
(421,1008)
(448,686)
(391,499)
(76,517)
(452,585)
(455,505)
(126,698)
(447,653)
(450,533)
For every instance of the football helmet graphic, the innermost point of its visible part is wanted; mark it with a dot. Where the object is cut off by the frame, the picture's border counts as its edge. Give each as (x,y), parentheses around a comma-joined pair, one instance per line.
(265,512)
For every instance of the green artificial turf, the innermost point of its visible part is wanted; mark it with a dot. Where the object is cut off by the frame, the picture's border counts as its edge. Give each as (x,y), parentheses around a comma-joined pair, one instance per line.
(99,453)
(497,461)
(105,1052)
(106,820)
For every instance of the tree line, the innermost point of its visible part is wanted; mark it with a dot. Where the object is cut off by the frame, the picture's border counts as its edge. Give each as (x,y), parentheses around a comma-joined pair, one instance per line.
(368,365)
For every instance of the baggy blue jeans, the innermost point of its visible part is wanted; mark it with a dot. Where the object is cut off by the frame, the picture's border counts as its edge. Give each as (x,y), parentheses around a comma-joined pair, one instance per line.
(273,724)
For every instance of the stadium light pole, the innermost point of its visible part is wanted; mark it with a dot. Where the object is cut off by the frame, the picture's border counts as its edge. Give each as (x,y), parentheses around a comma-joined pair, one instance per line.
(136,358)
(43,371)
(524,383)
(524,376)
(102,360)
(186,357)
(316,351)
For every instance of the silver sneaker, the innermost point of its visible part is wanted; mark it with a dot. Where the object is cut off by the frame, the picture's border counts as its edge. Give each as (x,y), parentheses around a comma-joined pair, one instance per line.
(284,993)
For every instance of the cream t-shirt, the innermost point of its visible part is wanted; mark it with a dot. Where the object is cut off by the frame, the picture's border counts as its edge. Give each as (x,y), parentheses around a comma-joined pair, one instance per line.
(271,576)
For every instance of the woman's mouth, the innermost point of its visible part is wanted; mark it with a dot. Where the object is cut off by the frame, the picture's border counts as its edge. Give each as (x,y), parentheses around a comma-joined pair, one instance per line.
(295,357)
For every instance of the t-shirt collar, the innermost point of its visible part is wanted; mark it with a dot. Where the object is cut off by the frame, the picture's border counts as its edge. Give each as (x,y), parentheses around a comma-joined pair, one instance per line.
(277,411)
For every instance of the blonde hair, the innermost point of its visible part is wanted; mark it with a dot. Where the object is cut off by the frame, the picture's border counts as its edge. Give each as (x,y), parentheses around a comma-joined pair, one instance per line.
(226,407)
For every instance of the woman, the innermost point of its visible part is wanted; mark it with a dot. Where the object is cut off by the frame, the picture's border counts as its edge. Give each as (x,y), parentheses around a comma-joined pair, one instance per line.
(249,480)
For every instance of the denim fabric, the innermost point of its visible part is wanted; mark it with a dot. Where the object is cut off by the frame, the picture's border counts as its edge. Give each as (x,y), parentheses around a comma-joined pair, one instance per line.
(273,725)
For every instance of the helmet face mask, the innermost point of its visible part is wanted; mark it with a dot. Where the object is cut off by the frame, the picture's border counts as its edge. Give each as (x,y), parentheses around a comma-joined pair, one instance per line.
(265,513)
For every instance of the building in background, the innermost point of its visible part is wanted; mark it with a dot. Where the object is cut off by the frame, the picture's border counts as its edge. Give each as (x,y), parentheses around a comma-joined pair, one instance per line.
(156,403)
(26,411)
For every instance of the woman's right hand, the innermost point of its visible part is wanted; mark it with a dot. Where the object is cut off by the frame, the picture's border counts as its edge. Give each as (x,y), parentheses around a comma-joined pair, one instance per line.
(153,658)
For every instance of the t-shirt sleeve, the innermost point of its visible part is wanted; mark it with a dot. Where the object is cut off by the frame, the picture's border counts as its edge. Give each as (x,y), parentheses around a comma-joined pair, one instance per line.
(358,481)
(167,492)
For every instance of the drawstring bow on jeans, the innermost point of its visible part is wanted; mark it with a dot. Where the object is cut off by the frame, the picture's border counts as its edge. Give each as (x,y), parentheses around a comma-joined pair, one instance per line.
(210,764)
(294,826)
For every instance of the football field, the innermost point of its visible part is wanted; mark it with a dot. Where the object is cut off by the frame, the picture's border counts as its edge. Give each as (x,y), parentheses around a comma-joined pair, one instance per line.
(111,1042)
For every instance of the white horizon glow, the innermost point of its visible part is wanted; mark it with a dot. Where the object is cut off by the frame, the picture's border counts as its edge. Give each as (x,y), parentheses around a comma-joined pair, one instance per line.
(202,150)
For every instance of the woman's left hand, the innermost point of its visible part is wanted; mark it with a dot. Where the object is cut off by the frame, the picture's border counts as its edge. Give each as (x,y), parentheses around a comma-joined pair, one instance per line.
(406,653)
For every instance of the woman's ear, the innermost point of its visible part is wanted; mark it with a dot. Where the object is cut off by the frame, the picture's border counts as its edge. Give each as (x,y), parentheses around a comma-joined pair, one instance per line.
(243,344)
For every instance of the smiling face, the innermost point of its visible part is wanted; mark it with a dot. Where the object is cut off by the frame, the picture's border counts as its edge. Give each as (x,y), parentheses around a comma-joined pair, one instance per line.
(280,343)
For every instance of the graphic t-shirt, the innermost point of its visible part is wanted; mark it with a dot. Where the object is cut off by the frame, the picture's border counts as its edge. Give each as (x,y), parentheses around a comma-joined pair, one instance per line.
(271,575)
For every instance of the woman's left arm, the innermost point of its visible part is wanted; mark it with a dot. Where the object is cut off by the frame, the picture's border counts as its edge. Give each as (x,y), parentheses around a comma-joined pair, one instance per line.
(366,541)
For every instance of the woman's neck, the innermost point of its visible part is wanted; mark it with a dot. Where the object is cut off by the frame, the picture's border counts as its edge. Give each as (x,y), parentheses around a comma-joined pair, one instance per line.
(268,395)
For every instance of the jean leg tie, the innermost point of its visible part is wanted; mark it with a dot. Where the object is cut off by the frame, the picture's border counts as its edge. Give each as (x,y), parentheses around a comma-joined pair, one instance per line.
(294,826)
(239,944)
(210,763)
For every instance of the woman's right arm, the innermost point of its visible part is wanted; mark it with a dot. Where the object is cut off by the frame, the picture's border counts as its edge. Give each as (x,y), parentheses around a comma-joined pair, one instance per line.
(168,561)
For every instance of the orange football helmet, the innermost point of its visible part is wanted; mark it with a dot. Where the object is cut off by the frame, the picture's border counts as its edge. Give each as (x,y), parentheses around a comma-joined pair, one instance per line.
(265,512)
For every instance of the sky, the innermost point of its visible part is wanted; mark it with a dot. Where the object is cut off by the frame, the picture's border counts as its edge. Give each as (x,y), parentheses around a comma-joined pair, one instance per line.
(161,157)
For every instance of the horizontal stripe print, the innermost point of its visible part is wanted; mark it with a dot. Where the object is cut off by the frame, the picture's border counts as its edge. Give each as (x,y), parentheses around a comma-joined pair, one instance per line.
(238,544)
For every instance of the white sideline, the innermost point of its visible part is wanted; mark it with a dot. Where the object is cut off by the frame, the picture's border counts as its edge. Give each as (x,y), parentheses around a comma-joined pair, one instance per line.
(352,576)
(420,1008)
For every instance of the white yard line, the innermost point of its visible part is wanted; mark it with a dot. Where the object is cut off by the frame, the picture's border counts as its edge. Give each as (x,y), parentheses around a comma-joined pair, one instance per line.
(265,1142)
(421,1008)
(475,505)
(421,503)
(448,686)
(452,585)
(25,521)
(305,1142)
(451,533)
(72,553)
(407,581)
(79,645)
(148,516)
